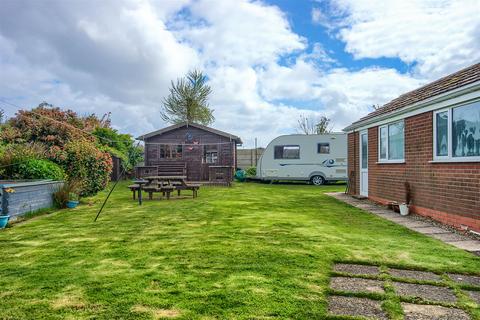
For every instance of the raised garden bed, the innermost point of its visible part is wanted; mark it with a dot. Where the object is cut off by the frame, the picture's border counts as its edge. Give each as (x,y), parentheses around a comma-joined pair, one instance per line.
(20,197)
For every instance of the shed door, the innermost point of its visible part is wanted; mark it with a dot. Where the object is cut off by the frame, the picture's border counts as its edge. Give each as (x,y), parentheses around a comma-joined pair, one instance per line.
(364,163)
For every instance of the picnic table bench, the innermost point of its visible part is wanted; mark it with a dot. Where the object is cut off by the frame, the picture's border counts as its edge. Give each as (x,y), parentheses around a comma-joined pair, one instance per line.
(166,185)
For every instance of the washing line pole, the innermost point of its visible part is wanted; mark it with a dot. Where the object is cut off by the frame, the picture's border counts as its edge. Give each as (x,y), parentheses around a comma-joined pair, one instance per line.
(113,188)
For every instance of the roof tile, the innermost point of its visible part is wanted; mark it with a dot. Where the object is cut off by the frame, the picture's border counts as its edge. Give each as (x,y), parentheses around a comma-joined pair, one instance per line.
(453,81)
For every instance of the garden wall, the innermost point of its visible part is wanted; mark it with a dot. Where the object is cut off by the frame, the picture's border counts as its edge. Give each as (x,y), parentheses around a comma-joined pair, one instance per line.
(18,198)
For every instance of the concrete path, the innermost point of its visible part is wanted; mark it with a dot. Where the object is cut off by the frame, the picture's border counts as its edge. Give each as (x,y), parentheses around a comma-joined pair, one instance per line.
(428,229)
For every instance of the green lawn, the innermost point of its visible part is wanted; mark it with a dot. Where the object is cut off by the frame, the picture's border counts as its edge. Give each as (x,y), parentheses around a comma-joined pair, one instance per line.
(250,251)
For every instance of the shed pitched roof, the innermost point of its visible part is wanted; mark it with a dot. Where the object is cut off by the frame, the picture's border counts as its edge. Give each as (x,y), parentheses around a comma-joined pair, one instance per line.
(453,81)
(196,125)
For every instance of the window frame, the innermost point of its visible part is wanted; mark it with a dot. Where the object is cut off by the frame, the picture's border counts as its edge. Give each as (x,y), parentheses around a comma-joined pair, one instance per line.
(208,151)
(387,160)
(449,136)
(449,157)
(283,146)
(327,144)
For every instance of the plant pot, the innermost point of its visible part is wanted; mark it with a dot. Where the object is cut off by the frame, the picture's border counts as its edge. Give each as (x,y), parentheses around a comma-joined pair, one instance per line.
(72,204)
(3,221)
(404,209)
(394,206)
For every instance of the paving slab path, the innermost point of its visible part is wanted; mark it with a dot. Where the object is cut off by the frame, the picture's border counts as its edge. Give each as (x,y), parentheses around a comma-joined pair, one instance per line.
(356,285)
(351,306)
(414,275)
(426,228)
(429,312)
(425,292)
(434,300)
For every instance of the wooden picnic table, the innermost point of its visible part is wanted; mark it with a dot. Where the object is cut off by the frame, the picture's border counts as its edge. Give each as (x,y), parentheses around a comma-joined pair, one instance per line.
(140,183)
(177,182)
(168,179)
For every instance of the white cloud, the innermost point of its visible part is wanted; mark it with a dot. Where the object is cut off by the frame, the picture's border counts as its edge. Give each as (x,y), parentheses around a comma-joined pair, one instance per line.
(348,95)
(318,17)
(120,56)
(440,37)
(240,33)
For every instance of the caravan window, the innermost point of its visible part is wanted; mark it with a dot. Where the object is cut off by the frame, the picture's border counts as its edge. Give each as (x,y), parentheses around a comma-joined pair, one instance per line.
(323,147)
(287,152)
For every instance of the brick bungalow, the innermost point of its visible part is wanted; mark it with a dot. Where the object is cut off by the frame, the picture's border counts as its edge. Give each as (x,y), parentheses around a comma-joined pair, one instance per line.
(430,138)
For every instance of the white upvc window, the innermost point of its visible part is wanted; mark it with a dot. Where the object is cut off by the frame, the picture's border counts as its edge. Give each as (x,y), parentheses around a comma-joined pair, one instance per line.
(456,133)
(391,142)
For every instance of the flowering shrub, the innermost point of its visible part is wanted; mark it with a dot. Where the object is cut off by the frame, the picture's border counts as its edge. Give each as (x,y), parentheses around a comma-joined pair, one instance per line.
(82,160)
(81,145)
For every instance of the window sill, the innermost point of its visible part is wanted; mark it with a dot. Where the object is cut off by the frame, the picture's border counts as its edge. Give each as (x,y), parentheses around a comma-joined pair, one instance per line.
(390,162)
(454,160)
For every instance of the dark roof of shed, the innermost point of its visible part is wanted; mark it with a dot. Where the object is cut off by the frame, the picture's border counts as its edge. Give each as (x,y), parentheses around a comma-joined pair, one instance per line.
(196,125)
(453,81)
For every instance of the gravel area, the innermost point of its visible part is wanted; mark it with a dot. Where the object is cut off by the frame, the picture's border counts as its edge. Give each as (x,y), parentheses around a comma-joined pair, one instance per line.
(446,227)
(426,292)
(415,275)
(356,269)
(356,285)
(465,279)
(428,312)
(350,306)
(475,296)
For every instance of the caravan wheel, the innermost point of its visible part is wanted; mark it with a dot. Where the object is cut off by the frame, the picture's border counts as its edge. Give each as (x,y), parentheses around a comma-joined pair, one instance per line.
(318,180)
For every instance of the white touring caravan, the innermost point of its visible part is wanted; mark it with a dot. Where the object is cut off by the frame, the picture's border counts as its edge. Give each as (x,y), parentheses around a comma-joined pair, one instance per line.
(315,158)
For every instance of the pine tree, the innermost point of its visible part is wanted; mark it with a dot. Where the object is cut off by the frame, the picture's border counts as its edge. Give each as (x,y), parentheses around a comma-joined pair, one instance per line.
(188,100)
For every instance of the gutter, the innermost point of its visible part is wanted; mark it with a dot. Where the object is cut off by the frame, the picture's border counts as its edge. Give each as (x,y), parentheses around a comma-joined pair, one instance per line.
(418,105)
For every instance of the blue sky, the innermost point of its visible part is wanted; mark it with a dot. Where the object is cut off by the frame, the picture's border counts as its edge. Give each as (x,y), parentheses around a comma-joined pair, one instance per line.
(268,62)
(299,14)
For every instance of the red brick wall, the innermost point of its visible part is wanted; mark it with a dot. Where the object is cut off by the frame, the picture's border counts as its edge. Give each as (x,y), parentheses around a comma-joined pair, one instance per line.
(384,180)
(353,162)
(448,192)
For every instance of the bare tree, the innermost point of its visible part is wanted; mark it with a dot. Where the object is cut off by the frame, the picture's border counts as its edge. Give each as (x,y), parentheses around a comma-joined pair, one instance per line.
(2,115)
(305,125)
(308,126)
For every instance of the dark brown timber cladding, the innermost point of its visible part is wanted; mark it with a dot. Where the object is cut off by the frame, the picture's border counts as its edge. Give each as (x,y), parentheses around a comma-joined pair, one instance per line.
(449,192)
(192,155)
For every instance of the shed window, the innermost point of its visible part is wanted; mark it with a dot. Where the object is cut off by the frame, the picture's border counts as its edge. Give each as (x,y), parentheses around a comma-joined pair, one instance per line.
(210,154)
(168,151)
(457,133)
(323,147)
(391,142)
(287,152)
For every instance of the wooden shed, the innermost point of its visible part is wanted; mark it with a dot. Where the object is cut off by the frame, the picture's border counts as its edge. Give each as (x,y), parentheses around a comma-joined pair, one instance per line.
(201,153)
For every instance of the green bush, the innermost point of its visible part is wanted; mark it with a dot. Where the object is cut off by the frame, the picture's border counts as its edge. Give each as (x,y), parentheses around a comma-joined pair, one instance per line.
(12,155)
(40,169)
(120,145)
(251,172)
(83,161)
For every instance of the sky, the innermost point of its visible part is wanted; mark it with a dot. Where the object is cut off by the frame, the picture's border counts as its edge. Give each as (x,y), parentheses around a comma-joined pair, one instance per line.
(268,62)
